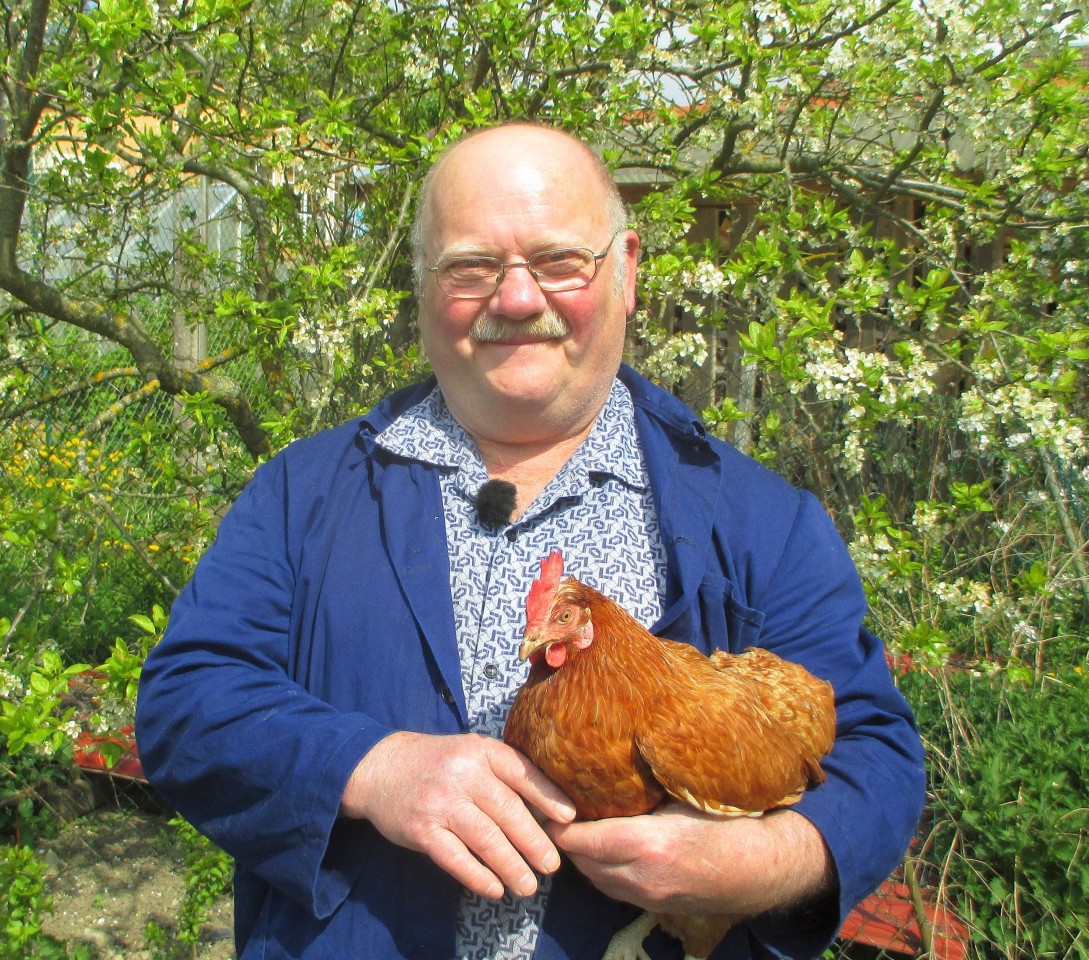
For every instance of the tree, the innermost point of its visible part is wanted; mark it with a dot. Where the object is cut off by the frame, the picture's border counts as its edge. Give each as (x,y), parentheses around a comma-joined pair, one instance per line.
(318,118)
(906,177)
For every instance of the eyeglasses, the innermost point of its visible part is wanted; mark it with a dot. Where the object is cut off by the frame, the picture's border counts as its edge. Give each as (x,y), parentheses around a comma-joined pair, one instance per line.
(474,278)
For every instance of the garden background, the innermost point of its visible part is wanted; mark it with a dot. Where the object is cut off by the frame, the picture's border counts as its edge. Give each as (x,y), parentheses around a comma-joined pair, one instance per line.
(866,256)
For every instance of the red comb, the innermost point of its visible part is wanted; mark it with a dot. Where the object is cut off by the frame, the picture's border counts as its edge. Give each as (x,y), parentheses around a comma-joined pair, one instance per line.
(543,591)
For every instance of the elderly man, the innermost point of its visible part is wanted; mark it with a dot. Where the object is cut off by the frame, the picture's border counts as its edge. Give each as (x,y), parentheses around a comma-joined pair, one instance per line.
(327,701)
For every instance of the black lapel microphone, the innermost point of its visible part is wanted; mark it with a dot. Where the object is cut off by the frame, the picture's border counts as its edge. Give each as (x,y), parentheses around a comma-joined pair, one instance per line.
(495,503)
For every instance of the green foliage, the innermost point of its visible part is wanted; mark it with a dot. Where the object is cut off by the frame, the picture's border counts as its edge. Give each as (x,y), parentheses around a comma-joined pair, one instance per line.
(39,717)
(23,902)
(88,535)
(1009,766)
(121,670)
(46,704)
(209,874)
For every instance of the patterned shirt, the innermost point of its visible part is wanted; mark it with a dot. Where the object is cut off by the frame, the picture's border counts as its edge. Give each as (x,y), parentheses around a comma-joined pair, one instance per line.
(598,511)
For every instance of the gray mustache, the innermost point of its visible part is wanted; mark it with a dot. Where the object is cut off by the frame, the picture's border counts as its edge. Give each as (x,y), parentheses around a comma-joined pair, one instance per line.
(488,329)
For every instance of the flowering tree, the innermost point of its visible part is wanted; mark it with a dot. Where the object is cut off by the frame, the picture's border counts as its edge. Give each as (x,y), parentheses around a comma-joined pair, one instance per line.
(884,291)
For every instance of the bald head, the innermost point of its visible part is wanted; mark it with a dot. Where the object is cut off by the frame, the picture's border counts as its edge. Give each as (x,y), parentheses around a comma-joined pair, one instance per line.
(506,147)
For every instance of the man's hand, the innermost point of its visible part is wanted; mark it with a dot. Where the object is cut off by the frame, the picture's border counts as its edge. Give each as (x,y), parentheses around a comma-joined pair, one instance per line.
(680,860)
(465,801)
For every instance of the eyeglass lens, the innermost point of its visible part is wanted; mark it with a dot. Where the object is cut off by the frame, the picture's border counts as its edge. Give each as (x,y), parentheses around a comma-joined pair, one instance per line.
(554,270)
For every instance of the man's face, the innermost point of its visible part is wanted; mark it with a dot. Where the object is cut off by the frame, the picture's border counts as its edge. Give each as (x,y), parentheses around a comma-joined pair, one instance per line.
(523,359)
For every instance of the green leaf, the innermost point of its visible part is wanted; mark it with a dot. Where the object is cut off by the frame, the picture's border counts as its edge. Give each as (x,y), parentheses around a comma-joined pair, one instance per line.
(144,623)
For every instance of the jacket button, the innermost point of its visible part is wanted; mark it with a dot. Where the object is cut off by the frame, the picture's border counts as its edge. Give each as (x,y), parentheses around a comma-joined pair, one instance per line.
(447,694)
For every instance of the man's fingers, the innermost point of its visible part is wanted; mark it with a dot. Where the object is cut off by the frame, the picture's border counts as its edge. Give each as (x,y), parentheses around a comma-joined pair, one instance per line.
(514,769)
(520,832)
(495,841)
(466,802)
(599,840)
(453,856)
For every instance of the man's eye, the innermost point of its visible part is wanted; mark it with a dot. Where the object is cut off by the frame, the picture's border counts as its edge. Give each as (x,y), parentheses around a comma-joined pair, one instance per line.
(560,263)
(471,267)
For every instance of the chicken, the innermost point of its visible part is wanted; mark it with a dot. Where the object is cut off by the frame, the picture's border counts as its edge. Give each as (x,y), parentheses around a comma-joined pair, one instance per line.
(623,720)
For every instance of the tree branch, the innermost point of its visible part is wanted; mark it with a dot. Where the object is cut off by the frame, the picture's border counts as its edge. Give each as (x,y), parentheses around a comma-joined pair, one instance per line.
(126,331)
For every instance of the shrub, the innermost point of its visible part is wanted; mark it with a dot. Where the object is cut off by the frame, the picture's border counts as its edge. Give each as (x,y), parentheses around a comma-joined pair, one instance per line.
(1009,768)
(23,901)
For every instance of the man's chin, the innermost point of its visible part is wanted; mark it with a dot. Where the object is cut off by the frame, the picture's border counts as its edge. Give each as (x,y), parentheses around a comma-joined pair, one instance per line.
(519,375)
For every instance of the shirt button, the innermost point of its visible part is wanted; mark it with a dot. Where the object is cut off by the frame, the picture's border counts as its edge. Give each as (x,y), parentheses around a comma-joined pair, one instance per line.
(512,535)
(491,671)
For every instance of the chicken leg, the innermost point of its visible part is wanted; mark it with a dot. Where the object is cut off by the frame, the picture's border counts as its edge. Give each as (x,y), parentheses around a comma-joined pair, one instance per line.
(627,944)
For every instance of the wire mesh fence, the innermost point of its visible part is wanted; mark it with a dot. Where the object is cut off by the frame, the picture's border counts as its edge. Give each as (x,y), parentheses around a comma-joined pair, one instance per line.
(105,506)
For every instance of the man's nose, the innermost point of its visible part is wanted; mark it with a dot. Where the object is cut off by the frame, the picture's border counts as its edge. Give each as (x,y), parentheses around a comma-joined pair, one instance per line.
(518,295)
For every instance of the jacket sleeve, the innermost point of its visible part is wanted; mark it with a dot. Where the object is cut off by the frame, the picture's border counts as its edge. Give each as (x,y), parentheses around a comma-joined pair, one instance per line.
(241,750)
(867,810)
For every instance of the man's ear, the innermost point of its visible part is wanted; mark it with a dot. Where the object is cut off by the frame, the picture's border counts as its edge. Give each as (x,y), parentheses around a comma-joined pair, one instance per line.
(630,251)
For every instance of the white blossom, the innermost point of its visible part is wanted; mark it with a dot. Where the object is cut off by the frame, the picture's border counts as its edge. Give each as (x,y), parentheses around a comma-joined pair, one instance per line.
(10,685)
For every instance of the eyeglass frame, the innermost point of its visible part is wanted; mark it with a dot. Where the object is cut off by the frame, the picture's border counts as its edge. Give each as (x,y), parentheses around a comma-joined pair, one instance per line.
(502,268)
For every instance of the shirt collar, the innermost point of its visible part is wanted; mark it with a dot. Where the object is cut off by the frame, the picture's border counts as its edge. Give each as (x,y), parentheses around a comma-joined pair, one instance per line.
(428,433)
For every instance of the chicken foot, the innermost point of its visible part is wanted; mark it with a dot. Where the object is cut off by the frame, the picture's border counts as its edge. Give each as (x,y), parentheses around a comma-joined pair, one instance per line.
(627,944)
(699,933)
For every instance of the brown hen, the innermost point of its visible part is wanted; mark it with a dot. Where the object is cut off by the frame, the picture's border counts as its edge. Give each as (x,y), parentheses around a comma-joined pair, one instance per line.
(622,720)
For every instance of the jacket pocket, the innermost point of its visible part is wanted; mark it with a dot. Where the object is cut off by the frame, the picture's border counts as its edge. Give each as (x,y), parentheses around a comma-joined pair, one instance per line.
(716,619)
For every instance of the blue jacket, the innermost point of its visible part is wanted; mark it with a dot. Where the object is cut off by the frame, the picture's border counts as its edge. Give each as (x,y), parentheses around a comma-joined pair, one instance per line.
(320,621)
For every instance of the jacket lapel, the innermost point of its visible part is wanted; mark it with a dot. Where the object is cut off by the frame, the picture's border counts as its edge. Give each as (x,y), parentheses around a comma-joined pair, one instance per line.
(685,479)
(414,534)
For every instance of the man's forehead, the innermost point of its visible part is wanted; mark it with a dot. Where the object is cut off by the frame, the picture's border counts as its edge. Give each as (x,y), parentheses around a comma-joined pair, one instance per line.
(483,190)
(528,177)
(523,156)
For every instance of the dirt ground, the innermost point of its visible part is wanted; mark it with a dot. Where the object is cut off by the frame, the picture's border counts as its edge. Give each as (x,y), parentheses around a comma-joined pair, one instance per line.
(112,872)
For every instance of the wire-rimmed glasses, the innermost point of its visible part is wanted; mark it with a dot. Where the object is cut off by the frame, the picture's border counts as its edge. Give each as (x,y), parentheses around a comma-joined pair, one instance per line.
(475,278)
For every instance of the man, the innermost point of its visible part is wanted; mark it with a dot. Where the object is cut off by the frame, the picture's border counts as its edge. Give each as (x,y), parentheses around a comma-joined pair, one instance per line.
(327,701)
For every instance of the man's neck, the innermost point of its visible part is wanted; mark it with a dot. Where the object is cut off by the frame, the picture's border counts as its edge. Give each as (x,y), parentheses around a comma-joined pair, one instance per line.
(529,467)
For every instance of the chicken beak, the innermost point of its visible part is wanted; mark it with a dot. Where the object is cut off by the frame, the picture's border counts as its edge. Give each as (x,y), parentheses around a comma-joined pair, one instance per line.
(530,643)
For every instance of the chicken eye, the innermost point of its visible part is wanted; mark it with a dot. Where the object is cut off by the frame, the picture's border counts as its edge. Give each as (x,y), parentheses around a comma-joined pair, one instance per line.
(564,617)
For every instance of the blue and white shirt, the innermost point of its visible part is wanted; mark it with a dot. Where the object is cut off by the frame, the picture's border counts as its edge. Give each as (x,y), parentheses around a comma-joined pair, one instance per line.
(598,511)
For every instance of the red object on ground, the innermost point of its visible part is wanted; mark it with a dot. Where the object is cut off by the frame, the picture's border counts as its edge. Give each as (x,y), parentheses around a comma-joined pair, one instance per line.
(88,755)
(84,695)
(886,920)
